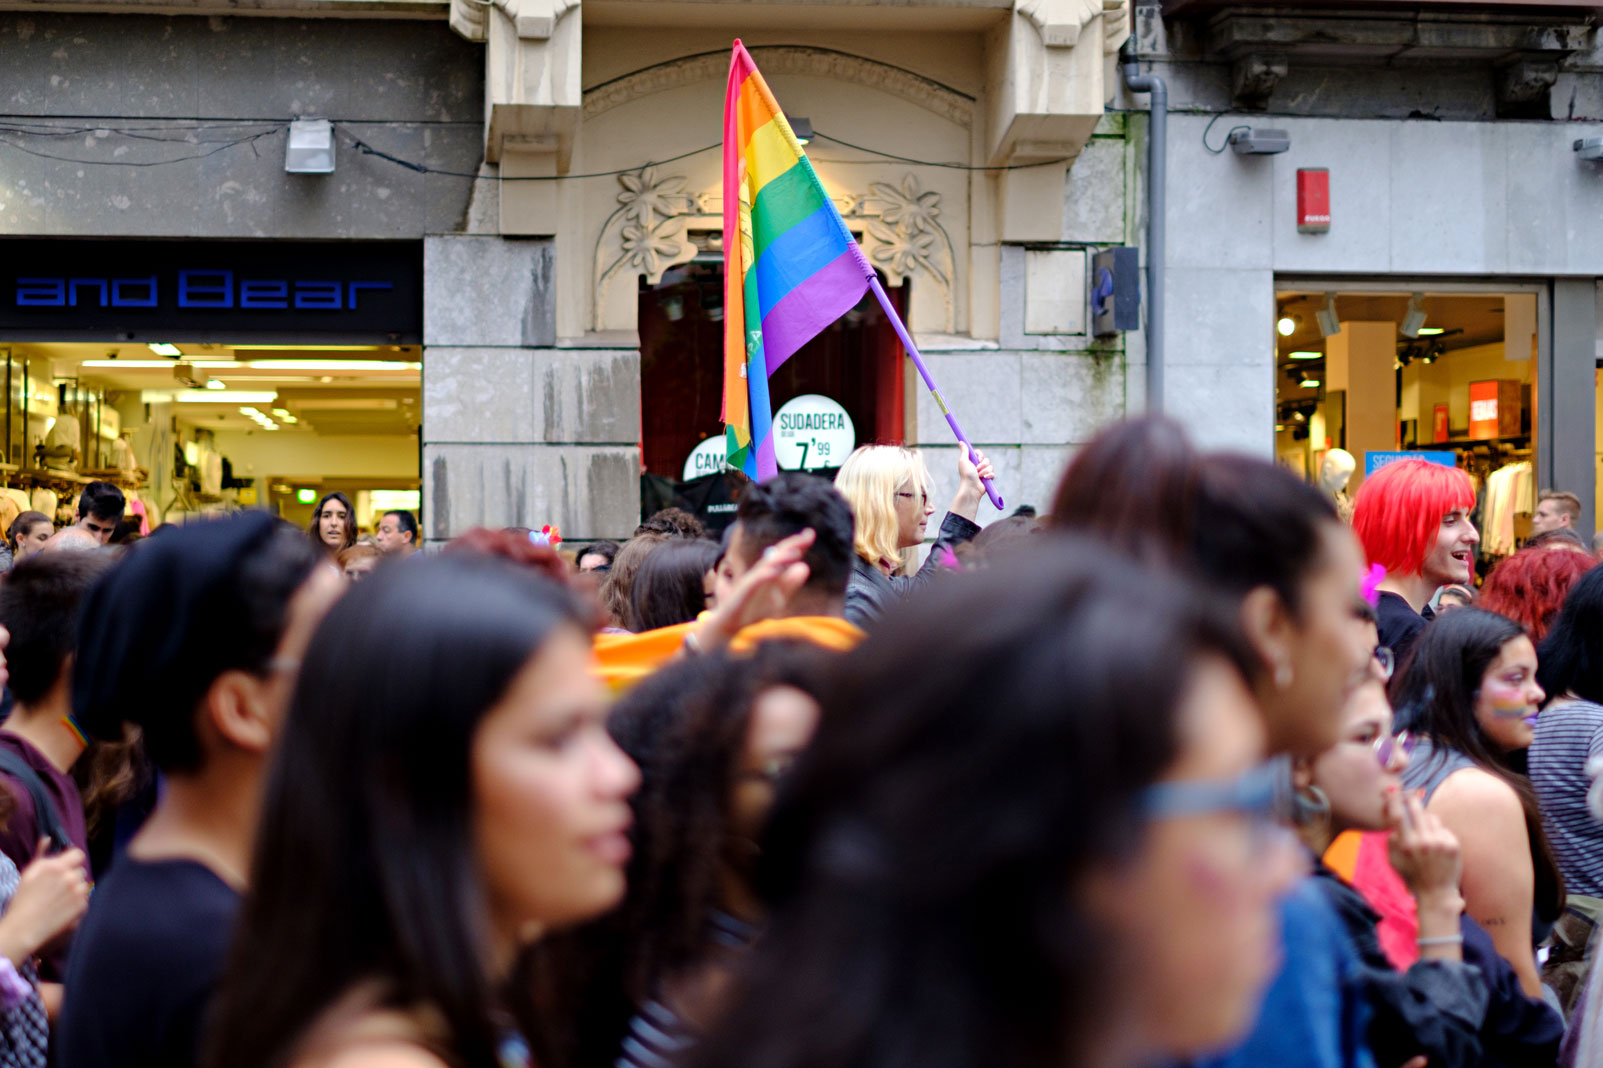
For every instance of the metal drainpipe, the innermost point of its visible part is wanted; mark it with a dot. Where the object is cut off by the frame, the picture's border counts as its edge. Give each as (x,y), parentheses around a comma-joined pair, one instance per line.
(1157,204)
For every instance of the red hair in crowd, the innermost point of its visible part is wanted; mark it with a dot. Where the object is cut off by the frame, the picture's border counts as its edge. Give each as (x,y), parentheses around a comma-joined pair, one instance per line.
(1399,509)
(1530,586)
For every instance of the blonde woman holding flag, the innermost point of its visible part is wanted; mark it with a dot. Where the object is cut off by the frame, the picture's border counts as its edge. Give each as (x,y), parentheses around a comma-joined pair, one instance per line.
(888,488)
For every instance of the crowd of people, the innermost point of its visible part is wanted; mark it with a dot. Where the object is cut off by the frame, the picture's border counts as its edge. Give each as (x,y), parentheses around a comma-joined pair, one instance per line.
(1186,771)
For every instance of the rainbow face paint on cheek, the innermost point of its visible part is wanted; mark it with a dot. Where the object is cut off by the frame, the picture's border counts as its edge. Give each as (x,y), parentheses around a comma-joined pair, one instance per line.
(1507,701)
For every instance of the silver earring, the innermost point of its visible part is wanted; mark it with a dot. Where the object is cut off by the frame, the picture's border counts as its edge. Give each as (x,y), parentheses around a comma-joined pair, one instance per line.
(1283,676)
(1311,805)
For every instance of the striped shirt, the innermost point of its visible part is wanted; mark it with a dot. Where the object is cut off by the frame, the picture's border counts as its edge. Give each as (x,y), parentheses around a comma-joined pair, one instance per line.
(1568,733)
(658,1037)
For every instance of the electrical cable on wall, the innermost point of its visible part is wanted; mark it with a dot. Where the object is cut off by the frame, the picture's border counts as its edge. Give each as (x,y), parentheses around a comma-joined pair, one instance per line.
(10,128)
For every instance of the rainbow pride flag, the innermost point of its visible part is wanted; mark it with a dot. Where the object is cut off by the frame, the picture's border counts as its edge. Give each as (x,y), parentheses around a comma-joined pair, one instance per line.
(790,265)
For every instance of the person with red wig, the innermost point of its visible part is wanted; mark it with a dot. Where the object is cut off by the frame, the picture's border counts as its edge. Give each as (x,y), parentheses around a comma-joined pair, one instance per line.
(1412,518)
(1530,587)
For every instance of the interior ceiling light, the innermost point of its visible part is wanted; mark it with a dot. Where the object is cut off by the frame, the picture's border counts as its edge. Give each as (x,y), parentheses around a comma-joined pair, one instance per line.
(161,348)
(355,404)
(1288,325)
(1414,318)
(354,367)
(130,365)
(1309,383)
(1329,321)
(215,383)
(1306,354)
(1431,331)
(202,396)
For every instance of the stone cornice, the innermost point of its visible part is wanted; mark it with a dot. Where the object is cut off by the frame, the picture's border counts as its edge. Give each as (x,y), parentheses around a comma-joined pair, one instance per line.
(784,59)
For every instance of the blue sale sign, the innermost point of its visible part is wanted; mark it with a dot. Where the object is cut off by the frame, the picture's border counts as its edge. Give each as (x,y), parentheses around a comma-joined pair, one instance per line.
(1374,461)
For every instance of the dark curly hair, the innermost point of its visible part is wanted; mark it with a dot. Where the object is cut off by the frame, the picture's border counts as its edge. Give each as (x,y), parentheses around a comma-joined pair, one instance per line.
(685,728)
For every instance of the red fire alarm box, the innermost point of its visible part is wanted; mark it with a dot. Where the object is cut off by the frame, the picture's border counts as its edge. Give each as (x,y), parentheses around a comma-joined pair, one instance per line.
(1313,200)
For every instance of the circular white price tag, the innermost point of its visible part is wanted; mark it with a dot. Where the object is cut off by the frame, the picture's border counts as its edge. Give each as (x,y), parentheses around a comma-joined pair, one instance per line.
(707,458)
(812,432)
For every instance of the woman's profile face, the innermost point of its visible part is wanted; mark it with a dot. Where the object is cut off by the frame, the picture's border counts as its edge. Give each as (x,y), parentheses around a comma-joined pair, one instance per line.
(551,795)
(1508,699)
(1196,903)
(1330,649)
(32,541)
(913,511)
(1350,773)
(331,520)
(783,720)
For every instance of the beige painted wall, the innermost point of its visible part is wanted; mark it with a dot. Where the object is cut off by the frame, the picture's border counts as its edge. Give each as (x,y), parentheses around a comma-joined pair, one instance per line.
(296,455)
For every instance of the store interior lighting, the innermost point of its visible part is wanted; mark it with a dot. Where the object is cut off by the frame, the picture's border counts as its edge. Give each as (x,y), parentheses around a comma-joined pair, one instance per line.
(205,396)
(1329,321)
(1306,354)
(1431,331)
(161,348)
(1414,318)
(1288,325)
(1309,383)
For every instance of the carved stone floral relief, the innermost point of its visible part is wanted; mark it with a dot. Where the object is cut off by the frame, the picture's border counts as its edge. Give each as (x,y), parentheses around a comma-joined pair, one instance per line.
(899,222)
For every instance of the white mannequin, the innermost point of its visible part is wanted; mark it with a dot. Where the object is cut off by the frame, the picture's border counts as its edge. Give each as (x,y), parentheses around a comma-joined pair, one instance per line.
(1335,471)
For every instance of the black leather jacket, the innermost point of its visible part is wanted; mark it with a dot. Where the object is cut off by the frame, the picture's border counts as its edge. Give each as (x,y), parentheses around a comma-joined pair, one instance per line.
(870,592)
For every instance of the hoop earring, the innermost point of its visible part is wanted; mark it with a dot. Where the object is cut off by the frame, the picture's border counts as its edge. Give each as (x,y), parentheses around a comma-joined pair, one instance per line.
(1310,805)
(1283,676)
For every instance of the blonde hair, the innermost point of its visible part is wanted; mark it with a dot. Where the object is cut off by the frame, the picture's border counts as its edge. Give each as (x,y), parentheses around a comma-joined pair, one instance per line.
(869,480)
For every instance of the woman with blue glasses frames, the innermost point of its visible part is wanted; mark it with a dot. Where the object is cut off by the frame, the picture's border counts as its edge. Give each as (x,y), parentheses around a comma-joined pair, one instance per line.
(1039,842)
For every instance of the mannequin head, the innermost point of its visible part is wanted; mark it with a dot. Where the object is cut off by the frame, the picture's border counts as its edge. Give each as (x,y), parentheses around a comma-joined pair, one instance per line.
(1336,470)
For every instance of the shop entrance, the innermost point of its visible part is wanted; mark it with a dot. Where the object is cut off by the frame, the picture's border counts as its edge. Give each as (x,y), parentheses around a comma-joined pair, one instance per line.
(1365,375)
(207,377)
(856,361)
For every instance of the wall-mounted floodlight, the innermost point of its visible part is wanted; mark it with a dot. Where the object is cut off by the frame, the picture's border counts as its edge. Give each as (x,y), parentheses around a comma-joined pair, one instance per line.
(310,149)
(1589,148)
(1329,321)
(1246,141)
(1414,318)
(803,128)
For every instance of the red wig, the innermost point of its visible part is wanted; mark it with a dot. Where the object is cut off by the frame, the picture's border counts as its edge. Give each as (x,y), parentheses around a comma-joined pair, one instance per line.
(1399,509)
(1530,586)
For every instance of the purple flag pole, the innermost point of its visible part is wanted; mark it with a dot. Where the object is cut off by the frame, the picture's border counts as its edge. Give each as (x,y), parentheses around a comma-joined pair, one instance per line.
(929,379)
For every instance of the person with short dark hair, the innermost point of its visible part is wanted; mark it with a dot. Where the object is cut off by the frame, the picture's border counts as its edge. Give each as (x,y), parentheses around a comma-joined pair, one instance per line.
(195,638)
(782,576)
(1556,510)
(39,606)
(100,508)
(674,522)
(397,533)
(333,525)
(596,557)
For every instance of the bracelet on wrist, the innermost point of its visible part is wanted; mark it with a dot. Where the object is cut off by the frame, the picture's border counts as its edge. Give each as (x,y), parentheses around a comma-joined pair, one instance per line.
(1444,940)
(14,989)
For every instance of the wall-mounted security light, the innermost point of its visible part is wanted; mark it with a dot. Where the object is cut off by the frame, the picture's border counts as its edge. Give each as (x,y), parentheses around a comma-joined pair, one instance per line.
(1246,141)
(310,148)
(1329,321)
(803,129)
(1589,148)
(1414,318)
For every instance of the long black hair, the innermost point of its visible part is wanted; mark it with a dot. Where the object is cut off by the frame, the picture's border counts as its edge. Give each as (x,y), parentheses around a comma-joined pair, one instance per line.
(365,869)
(1571,658)
(685,728)
(1435,694)
(921,862)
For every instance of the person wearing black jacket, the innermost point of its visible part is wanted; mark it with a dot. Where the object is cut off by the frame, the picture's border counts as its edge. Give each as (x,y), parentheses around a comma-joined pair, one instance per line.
(888,488)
